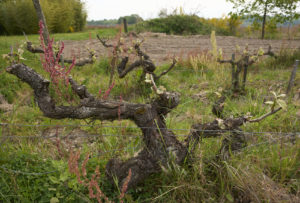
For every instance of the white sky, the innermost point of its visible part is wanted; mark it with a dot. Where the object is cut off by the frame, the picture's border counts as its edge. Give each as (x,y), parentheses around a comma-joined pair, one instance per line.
(112,9)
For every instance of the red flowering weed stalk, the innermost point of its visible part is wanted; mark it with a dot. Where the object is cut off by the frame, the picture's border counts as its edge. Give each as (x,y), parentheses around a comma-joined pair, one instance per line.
(50,62)
(107,92)
(92,184)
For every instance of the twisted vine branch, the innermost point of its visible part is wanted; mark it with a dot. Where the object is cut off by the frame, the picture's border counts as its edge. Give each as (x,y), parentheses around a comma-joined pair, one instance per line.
(161,144)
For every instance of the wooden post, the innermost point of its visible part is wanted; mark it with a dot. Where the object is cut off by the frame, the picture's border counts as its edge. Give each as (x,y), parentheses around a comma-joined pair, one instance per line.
(233,69)
(292,78)
(125,25)
(264,21)
(245,72)
(41,17)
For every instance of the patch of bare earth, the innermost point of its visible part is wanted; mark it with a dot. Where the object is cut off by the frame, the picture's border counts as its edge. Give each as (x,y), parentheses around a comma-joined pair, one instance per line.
(162,47)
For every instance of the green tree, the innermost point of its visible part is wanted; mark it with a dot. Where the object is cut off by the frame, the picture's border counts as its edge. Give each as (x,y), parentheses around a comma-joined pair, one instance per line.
(17,16)
(233,23)
(132,19)
(258,10)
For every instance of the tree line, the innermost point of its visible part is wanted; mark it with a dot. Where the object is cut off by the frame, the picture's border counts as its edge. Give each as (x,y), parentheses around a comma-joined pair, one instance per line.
(131,19)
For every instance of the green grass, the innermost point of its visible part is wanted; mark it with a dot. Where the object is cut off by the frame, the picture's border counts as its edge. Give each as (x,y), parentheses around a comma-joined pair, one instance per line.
(205,181)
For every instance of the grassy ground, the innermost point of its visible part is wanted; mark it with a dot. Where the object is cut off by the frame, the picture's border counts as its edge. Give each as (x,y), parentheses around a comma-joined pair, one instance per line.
(267,171)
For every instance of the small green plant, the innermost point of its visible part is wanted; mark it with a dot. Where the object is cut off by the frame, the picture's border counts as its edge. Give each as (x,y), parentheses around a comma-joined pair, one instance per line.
(277,101)
(15,56)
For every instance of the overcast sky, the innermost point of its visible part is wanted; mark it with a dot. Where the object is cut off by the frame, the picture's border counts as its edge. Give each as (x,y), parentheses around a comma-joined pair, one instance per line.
(111,9)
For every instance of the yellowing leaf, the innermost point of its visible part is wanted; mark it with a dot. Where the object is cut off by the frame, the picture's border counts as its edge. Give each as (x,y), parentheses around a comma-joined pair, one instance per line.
(260,52)
(282,95)
(274,93)
(158,91)
(269,102)
(162,88)
(282,104)
(221,123)
(148,78)
(5,56)
(218,94)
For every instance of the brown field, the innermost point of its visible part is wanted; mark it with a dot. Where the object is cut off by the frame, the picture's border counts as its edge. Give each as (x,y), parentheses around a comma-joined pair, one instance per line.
(162,47)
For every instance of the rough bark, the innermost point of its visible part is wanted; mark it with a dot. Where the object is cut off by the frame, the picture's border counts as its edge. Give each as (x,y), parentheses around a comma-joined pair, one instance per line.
(42,18)
(34,50)
(245,72)
(161,144)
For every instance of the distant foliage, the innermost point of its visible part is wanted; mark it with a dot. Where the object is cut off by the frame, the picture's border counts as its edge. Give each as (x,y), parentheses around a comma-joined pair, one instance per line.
(105,22)
(225,25)
(132,19)
(175,24)
(280,11)
(61,16)
(182,24)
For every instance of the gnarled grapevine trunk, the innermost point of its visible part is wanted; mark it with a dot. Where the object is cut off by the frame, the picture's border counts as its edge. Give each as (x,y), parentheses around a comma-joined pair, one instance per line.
(161,144)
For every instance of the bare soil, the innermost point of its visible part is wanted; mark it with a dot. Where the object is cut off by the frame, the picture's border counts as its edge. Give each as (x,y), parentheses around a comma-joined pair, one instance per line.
(162,47)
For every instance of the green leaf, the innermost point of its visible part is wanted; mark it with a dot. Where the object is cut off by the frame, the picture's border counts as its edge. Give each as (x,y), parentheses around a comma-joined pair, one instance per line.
(64,176)
(54,200)
(229,197)
(53,179)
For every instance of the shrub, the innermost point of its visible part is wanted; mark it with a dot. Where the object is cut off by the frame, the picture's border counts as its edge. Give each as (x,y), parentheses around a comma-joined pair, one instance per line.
(182,24)
(174,24)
